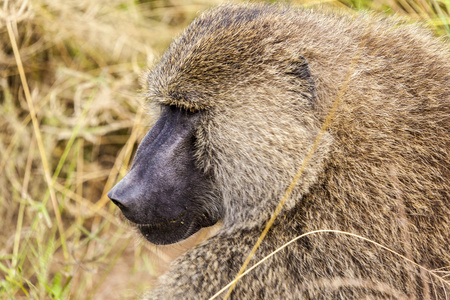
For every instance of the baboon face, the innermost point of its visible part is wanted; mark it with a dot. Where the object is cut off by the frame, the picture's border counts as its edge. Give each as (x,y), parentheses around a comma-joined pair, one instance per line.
(164,193)
(232,106)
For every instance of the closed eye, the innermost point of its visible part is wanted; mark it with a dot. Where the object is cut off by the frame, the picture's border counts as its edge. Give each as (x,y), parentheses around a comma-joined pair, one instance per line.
(188,110)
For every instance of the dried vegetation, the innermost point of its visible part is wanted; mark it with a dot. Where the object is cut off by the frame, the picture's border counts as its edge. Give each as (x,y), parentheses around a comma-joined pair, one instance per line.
(70,120)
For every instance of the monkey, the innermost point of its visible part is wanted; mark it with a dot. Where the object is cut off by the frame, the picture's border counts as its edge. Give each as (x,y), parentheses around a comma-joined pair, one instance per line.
(242,95)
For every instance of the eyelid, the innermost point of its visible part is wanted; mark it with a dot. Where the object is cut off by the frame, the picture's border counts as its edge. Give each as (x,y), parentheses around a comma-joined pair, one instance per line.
(191,110)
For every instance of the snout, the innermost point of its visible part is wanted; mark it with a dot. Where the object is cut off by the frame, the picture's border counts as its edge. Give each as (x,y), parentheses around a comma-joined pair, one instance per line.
(125,196)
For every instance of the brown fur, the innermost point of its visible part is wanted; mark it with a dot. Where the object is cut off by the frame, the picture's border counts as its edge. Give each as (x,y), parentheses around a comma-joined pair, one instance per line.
(381,171)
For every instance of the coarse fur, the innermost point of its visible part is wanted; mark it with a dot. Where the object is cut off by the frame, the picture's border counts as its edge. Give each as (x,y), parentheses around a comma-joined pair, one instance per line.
(262,79)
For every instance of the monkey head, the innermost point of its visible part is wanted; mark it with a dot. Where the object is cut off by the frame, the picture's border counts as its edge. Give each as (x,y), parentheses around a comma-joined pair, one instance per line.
(235,96)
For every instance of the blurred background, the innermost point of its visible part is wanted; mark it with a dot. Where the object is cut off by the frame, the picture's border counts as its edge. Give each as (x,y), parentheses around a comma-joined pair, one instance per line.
(71,117)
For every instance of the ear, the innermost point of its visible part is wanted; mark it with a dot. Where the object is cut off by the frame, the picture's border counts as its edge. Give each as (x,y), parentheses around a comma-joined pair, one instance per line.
(303,79)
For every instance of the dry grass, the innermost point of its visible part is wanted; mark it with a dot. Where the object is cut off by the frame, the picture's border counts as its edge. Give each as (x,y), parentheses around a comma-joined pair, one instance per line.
(70,120)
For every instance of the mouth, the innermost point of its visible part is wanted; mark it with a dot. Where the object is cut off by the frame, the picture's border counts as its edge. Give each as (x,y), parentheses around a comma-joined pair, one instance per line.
(161,225)
(173,230)
(169,232)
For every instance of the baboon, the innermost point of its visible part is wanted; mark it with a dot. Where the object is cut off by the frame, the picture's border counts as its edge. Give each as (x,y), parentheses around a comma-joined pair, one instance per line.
(242,94)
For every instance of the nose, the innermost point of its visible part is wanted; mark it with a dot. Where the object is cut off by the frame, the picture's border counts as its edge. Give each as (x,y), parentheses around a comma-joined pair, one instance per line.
(122,194)
(115,199)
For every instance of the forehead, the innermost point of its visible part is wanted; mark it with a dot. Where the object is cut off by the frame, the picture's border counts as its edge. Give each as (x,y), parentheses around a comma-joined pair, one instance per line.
(223,49)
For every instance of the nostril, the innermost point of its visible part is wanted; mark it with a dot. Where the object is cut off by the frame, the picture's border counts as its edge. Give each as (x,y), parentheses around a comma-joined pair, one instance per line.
(115,200)
(120,205)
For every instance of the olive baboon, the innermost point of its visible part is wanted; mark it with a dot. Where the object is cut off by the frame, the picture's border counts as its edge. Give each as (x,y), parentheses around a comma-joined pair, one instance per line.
(243,93)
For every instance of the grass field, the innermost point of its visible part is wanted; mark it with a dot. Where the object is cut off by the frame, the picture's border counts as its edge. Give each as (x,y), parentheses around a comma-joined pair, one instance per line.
(71,116)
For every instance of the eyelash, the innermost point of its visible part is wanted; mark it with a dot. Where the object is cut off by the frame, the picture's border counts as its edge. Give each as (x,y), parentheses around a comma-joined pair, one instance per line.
(190,110)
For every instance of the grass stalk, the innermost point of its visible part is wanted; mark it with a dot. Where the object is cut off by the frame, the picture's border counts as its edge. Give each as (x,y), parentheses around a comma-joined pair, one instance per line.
(37,133)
